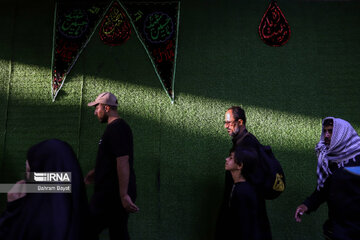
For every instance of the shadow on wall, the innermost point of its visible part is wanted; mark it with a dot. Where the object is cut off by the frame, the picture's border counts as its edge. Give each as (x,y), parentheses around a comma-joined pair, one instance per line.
(190,166)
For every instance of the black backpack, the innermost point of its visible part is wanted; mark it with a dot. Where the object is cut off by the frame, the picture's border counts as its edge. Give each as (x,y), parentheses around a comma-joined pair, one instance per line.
(274,177)
(269,176)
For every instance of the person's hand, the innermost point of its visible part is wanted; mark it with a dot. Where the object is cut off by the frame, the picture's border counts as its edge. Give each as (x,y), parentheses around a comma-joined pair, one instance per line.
(89,178)
(300,210)
(128,204)
(16,192)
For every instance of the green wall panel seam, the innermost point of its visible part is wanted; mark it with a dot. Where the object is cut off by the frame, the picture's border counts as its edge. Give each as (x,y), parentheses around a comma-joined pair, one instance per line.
(10,76)
(7,108)
(80,115)
(175,55)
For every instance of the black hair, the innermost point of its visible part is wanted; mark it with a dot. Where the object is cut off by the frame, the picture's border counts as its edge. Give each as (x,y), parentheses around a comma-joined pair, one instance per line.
(238,113)
(328,122)
(248,158)
(113,107)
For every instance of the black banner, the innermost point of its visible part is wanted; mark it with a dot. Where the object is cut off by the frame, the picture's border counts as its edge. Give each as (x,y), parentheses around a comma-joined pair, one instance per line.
(156,24)
(75,23)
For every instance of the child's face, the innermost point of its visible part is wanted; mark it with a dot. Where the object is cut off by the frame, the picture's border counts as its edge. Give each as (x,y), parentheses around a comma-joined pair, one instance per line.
(230,163)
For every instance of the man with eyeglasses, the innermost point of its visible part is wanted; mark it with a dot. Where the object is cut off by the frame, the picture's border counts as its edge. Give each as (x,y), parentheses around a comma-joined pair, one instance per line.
(235,120)
(234,123)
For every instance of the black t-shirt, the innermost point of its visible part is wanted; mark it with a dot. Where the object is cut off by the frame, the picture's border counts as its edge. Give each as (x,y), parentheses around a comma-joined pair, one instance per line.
(247,219)
(117,141)
(264,232)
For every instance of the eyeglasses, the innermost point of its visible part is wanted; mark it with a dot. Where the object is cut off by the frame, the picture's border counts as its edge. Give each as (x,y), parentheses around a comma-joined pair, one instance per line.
(229,122)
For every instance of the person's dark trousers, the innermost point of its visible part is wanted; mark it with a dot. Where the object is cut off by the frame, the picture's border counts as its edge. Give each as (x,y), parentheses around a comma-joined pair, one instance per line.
(115,221)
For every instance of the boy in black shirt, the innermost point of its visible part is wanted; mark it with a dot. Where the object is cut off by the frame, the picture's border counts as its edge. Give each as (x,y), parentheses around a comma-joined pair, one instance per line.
(246,215)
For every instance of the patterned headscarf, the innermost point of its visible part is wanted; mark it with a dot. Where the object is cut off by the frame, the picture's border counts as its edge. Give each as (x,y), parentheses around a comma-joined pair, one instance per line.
(344,146)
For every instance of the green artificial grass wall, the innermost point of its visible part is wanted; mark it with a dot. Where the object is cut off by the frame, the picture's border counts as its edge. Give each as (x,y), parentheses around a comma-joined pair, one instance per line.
(180,148)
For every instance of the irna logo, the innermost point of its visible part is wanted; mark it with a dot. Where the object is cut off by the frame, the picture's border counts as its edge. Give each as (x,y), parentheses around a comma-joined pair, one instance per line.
(52,177)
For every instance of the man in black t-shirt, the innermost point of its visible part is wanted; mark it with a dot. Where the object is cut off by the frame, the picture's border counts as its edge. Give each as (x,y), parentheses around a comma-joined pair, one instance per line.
(113,176)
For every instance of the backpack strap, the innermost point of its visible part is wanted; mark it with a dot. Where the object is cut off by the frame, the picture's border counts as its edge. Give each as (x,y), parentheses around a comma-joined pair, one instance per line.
(242,138)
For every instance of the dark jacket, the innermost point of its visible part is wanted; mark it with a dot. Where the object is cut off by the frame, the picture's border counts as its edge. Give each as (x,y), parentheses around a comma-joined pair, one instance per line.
(341,191)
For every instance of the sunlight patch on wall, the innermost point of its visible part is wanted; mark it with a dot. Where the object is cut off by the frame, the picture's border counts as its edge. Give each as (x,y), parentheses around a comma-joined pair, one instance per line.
(193,115)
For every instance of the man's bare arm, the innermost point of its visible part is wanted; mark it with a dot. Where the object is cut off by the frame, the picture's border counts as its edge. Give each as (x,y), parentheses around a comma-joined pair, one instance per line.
(123,172)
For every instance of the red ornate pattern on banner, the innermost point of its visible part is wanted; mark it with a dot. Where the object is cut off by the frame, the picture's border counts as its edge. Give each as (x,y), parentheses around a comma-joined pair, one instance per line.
(274,29)
(115,28)
(164,53)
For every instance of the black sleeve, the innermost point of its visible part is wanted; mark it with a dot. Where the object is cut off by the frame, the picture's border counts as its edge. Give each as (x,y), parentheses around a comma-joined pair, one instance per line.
(121,141)
(317,198)
(9,216)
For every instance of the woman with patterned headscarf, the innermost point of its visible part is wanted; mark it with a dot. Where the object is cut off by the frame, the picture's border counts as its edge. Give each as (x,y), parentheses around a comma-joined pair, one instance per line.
(338,180)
